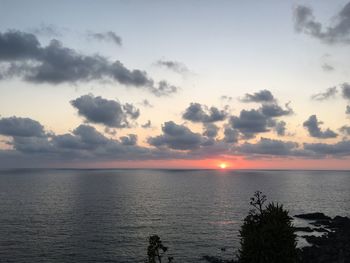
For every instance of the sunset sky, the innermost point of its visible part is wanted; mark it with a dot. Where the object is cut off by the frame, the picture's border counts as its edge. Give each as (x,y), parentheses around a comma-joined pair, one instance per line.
(175,84)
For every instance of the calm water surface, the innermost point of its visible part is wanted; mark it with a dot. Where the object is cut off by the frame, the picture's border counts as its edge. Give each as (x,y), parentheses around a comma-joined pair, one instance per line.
(107,215)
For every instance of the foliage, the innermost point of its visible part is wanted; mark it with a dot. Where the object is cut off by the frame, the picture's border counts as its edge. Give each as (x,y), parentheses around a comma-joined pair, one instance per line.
(267,234)
(156,250)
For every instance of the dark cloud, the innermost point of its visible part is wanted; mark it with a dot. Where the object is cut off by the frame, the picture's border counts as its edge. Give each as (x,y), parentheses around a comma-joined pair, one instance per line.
(16,45)
(347,110)
(108,36)
(274,110)
(86,144)
(176,137)
(201,113)
(21,127)
(131,110)
(346,90)
(250,122)
(345,130)
(108,112)
(260,97)
(210,130)
(175,66)
(32,145)
(110,131)
(327,67)
(231,135)
(147,125)
(339,32)
(163,89)
(131,139)
(312,125)
(339,149)
(329,93)
(280,128)
(269,147)
(25,57)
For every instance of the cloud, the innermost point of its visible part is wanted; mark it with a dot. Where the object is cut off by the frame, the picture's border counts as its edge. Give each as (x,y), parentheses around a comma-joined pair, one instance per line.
(110,131)
(270,147)
(85,143)
(16,45)
(210,130)
(47,30)
(341,148)
(145,103)
(176,137)
(108,36)
(326,67)
(131,139)
(21,127)
(32,145)
(312,125)
(231,135)
(226,98)
(259,97)
(175,66)
(346,90)
(280,128)
(339,32)
(147,125)
(102,111)
(345,130)
(201,113)
(163,89)
(250,122)
(329,93)
(347,109)
(273,110)
(84,137)
(21,55)
(35,147)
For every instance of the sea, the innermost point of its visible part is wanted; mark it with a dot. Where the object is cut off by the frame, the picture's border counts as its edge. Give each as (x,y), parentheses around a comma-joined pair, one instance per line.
(108,215)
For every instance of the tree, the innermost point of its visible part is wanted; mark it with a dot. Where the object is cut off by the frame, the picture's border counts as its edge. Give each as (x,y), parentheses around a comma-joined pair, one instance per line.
(267,234)
(156,250)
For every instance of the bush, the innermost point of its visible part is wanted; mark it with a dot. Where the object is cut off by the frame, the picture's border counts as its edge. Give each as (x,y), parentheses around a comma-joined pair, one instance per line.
(156,250)
(267,234)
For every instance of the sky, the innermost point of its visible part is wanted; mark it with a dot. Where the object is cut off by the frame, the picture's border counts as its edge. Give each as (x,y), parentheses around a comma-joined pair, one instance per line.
(175,84)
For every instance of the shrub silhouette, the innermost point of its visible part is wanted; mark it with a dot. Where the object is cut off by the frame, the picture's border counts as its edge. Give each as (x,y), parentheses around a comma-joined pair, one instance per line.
(156,250)
(267,234)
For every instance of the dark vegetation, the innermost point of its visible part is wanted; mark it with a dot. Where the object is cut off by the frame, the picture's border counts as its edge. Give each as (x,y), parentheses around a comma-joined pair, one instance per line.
(268,236)
(156,250)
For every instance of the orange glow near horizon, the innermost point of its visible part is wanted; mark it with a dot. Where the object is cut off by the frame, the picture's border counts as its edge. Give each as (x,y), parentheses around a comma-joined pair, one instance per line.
(223,165)
(238,162)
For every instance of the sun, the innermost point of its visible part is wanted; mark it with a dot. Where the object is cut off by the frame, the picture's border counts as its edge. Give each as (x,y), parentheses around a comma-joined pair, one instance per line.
(223,165)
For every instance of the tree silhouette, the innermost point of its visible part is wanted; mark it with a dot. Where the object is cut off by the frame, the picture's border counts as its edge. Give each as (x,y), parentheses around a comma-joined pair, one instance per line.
(267,234)
(156,250)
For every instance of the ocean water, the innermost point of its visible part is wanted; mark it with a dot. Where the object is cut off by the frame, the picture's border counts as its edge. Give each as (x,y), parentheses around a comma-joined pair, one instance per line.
(107,215)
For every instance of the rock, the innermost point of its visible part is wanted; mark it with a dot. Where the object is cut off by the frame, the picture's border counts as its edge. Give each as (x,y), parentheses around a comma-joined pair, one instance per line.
(332,247)
(313,216)
(304,229)
(321,230)
(211,259)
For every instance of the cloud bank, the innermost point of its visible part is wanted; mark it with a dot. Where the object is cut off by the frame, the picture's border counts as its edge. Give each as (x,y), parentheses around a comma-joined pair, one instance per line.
(21,55)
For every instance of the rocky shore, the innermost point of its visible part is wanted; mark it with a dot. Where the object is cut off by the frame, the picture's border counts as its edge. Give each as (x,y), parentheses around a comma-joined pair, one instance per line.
(333,246)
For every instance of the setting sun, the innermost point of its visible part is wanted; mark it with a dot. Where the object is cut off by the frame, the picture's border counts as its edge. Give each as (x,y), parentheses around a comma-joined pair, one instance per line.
(223,165)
